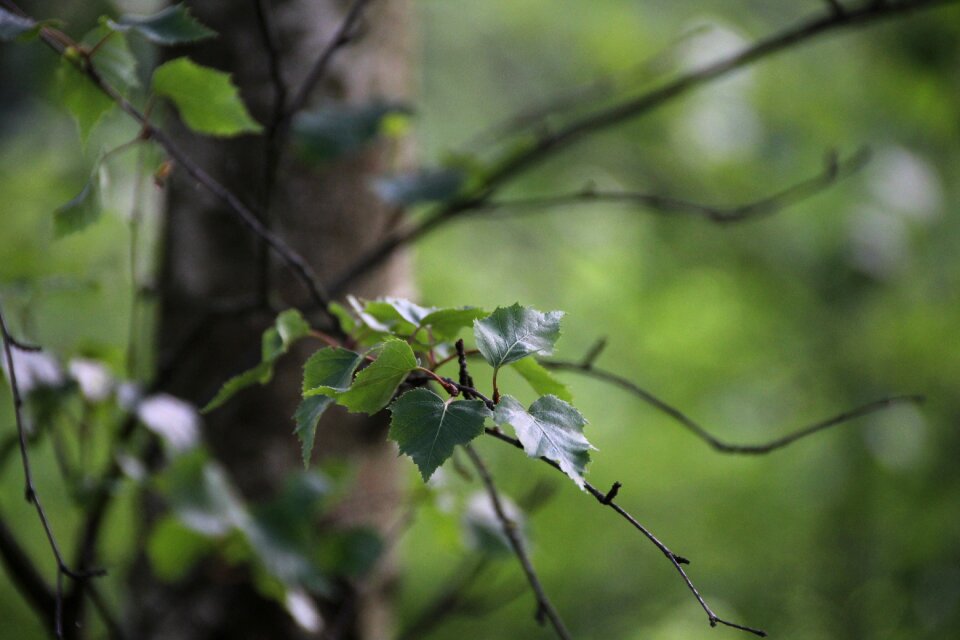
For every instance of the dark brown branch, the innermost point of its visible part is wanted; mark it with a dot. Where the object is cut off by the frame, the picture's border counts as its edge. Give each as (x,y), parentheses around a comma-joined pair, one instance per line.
(545,609)
(768,205)
(30,490)
(720,445)
(549,144)
(676,560)
(341,38)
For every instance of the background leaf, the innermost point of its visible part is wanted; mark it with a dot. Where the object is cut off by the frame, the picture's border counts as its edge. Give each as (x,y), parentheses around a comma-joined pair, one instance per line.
(81,211)
(172,25)
(328,133)
(427,428)
(511,333)
(430,185)
(85,102)
(551,428)
(207,99)
(13,26)
(112,59)
(541,379)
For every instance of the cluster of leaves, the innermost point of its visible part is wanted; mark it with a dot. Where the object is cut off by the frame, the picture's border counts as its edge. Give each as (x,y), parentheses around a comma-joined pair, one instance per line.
(393,352)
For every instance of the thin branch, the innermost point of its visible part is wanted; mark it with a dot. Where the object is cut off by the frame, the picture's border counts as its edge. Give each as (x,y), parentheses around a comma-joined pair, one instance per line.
(30,490)
(549,144)
(342,37)
(676,560)
(833,171)
(718,444)
(545,609)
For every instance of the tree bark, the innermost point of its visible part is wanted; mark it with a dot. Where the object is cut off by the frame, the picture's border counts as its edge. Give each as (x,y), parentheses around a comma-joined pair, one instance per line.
(327,214)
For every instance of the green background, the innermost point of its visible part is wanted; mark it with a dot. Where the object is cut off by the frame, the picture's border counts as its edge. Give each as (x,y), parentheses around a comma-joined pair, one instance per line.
(752,329)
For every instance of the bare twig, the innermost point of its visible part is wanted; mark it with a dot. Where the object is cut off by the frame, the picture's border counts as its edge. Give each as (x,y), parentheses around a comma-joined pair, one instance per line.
(545,609)
(718,444)
(30,490)
(676,560)
(549,144)
(768,205)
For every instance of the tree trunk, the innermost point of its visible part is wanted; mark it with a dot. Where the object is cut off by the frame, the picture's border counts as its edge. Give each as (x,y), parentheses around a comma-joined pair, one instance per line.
(327,214)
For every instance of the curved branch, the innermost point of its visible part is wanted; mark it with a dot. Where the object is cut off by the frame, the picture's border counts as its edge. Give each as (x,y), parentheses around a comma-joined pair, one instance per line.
(586,368)
(833,171)
(606,499)
(545,609)
(550,143)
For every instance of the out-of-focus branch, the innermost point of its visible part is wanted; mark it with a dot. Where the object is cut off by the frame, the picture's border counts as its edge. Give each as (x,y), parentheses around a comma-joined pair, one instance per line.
(607,499)
(586,368)
(24,575)
(833,171)
(545,609)
(549,143)
(30,490)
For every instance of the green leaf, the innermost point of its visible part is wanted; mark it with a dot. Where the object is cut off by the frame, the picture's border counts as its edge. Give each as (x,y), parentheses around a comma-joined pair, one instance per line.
(85,102)
(398,309)
(373,388)
(347,322)
(515,332)
(332,132)
(201,495)
(206,98)
(432,185)
(329,371)
(552,429)
(446,324)
(352,553)
(427,428)
(173,549)
(541,379)
(259,374)
(307,417)
(291,326)
(112,59)
(82,211)
(13,26)
(173,25)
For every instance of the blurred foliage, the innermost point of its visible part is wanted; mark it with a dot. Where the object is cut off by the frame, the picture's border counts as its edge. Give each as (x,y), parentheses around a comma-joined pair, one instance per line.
(752,329)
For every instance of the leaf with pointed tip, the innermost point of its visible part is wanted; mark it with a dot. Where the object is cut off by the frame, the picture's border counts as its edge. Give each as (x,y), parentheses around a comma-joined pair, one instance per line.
(82,211)
(13,26)
(307,417)
(112,58)
(431,185)
(511,333)
(347,322)
(552,429)
(172,25)
(373,388)
(276,341)
(446,324)
(541,379)
(85,102)
(291,326)
(427,428)
(207,99)
(328,133)
(398,308)
(329,371)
